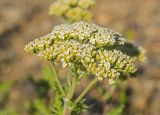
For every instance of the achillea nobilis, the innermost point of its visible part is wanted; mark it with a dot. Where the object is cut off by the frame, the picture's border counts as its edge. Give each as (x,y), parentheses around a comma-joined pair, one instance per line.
(72,10)
(96,50)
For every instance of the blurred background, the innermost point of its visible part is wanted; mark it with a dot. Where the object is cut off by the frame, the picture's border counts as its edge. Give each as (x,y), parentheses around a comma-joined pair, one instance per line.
(24,89)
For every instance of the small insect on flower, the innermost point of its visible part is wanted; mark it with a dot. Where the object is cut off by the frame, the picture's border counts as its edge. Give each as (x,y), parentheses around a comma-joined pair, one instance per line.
(99,52)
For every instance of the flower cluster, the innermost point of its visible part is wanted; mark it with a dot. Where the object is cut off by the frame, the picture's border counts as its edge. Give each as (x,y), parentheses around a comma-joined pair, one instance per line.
(72,10)
(94,49)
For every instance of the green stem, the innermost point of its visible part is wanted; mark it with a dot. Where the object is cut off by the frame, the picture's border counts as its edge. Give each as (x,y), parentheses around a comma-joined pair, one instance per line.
(74,84)
(72,87)
(69,80)
(66,110)
(86,90)
(57,80)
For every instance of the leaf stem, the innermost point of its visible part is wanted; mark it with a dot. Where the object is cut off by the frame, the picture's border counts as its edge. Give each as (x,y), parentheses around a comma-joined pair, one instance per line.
(86,90)
(73,87)
(66,110)
(57,80)
(69,80)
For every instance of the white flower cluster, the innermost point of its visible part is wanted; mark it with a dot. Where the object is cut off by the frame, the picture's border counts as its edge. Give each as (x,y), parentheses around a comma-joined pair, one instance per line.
(72,10)
(92,48)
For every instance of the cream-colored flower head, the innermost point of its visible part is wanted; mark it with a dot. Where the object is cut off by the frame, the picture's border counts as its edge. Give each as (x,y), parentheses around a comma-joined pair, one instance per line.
(72,10)
(96,50)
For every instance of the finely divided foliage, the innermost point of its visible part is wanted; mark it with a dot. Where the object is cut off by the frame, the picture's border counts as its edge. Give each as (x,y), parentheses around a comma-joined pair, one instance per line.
(95,50)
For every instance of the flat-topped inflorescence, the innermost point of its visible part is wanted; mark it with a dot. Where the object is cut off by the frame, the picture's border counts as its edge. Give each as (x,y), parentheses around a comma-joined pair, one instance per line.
(96,50)
(72,10)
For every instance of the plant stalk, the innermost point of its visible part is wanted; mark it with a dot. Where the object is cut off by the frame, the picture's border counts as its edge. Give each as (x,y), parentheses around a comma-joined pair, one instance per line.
(86,90)
(66,110)
(57,80)
(73,87)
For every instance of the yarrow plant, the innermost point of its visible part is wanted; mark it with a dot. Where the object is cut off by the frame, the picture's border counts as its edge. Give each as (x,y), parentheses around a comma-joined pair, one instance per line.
(72,10)
(85,49)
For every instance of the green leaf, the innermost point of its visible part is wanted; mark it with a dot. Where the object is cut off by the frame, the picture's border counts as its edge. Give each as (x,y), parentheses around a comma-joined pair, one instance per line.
(77,108)
(58,108)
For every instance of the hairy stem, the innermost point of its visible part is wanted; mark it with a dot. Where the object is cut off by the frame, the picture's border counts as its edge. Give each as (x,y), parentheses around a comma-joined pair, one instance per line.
(57,80)
(86,90)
